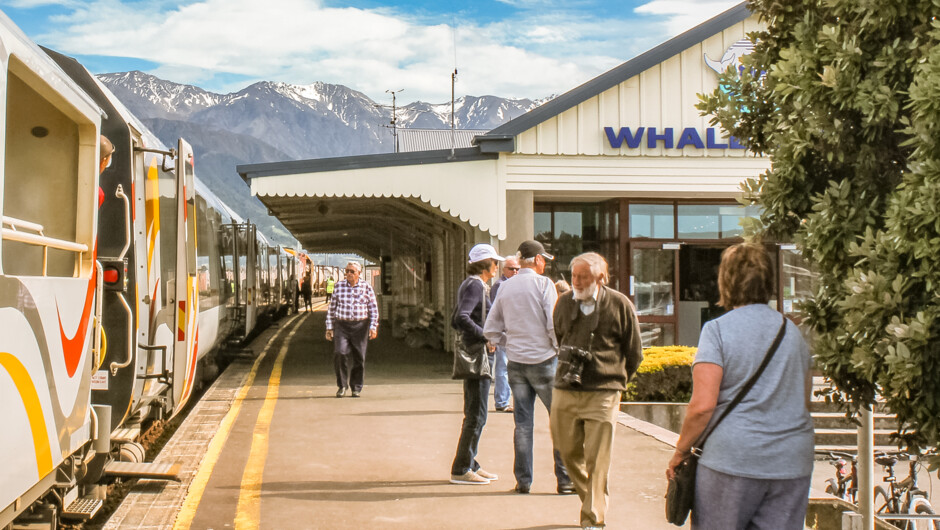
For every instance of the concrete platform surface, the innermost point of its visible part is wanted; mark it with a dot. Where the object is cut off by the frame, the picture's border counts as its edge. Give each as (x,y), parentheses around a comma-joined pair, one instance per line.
(270,446)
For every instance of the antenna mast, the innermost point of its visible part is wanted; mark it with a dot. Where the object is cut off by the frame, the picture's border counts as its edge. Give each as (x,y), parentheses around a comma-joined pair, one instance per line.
(394,121)
(453,82)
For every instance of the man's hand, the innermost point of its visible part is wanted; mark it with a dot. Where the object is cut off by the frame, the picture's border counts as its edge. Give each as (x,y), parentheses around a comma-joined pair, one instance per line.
(373,333)
(329,334)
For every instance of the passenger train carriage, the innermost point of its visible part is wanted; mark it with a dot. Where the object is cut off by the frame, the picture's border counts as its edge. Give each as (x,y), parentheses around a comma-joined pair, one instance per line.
(110,313)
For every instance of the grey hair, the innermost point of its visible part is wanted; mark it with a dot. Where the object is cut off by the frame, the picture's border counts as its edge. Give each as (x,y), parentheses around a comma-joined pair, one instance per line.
(355,264)
(596,262)
(525,261)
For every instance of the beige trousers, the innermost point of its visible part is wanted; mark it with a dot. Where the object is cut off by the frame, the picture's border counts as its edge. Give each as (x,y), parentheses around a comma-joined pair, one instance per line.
(583,425)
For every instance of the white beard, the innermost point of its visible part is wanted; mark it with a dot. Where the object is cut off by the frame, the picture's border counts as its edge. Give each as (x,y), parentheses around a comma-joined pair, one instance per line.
(585,294)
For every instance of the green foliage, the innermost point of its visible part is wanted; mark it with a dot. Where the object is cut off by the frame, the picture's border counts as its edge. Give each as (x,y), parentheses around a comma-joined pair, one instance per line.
(671,383)
(664,375)
(844,97)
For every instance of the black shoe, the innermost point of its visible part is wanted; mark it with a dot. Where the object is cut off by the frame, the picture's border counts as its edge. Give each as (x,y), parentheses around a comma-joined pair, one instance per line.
(341,392)
(524,490)
(566,489)
(355,393)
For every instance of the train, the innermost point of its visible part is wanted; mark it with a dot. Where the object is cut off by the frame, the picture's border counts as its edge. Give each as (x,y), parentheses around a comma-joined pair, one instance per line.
(120,286)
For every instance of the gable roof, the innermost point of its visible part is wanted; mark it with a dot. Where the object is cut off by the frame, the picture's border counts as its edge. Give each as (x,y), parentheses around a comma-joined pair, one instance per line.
(618,75)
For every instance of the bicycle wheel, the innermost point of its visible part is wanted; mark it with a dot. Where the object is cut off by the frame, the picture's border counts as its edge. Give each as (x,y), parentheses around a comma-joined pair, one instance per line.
(883,503)
(832,488)
(921,506)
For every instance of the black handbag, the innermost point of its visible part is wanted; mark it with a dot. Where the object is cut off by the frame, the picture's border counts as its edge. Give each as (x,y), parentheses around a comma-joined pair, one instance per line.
(680,493)
(471,362)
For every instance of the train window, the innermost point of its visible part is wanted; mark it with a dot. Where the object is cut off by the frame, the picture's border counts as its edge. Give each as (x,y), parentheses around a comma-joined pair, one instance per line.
(48,179)
(207,245)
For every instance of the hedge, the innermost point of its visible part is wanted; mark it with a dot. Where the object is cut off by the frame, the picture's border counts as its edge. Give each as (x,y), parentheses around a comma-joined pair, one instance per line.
(664,375)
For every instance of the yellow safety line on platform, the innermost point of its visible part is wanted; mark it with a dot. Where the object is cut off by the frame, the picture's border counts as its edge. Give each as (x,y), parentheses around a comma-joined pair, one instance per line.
(198,486)
(249,496)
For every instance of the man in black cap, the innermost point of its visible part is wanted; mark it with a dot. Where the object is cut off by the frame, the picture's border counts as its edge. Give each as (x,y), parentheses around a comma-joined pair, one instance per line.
(521,318)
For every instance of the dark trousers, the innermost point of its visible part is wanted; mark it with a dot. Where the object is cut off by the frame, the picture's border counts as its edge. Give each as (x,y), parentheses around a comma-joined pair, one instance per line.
(350,339)
(475,397)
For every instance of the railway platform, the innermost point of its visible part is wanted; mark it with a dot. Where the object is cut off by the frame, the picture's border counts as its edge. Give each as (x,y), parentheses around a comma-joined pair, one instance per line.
(270,446)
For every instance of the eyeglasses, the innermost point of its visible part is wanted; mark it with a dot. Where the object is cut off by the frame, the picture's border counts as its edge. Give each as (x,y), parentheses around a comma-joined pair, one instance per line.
(513,268)
(351,271)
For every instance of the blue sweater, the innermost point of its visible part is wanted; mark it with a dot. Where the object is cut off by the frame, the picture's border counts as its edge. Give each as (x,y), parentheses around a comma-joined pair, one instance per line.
(468,315)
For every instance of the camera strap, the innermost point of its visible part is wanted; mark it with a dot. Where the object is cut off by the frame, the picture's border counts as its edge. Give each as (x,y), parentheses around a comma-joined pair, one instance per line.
(591,321)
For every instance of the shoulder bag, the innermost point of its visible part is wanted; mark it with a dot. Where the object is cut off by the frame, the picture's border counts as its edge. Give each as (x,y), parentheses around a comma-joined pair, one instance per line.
(680,493)
(471,362)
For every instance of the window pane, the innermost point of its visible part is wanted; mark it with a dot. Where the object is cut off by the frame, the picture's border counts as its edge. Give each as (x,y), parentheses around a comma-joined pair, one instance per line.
(731,219)
(652,283)
(543,226)
(699,221)
(657,334)
(652,220)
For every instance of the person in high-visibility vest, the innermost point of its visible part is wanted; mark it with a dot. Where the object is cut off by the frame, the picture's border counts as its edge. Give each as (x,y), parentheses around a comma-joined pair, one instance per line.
(329,289)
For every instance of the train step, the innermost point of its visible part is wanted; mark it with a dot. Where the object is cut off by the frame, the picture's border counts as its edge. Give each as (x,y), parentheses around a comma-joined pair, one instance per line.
(143,470)
(83,508)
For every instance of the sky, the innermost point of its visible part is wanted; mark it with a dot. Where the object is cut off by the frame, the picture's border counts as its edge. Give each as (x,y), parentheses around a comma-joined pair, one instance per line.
(508,48)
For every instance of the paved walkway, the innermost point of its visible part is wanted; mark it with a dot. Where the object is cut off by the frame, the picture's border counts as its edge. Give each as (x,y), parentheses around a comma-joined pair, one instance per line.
(269,450)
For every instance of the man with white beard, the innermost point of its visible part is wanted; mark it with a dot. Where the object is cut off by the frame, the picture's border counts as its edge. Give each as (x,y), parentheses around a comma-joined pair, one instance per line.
(600,349)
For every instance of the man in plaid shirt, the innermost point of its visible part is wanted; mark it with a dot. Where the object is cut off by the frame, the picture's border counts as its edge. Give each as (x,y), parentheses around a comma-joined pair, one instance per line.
(352,319)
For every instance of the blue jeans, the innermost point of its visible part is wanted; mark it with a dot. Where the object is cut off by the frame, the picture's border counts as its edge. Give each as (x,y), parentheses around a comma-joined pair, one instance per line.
(475,396)
(528,381)
(501,393)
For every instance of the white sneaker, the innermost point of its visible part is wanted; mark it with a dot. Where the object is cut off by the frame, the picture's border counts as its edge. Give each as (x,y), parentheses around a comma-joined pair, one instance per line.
(487,475)
(469,478)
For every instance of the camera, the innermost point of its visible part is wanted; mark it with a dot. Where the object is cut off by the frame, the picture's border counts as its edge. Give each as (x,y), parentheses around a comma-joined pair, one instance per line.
(573,362)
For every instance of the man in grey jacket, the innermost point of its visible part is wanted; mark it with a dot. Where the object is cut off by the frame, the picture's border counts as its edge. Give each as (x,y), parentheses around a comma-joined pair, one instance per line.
(521,318)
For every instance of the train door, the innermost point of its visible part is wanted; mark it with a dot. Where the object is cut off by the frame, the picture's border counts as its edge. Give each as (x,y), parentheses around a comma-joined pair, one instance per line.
(187,288)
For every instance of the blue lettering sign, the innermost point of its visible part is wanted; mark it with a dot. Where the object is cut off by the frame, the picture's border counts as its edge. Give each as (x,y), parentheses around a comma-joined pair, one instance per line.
(712,143)
(652,138)
(690,136)
(633,141)
(735,144)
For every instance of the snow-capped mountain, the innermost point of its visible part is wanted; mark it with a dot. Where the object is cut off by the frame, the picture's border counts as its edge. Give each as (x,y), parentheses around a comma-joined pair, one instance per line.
(270,122)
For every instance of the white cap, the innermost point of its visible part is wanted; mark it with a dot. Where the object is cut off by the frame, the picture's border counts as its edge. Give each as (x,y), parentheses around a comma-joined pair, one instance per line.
(483,251)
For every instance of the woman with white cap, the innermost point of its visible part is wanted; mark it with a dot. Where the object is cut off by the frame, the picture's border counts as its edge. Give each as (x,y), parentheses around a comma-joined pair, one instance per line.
(472,305)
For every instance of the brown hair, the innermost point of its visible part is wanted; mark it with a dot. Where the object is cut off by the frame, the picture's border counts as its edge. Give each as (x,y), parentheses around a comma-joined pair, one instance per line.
(746,276)
(478,267)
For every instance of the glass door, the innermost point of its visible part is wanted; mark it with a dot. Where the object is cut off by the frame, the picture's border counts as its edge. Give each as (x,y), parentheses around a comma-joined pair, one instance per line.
(652,287)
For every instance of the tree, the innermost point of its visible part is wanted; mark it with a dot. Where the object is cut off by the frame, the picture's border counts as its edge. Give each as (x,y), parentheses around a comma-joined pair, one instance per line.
(844,97)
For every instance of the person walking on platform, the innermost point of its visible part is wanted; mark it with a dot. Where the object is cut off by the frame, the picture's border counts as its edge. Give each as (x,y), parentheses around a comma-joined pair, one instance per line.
(756,464)
(306,291)
(330,285)
(501,392)
(522,319)
(600,349)
(472,305)
(352,320)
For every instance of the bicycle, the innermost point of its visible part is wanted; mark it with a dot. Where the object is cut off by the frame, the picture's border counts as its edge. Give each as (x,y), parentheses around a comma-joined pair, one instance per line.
(904,497)
(845,483)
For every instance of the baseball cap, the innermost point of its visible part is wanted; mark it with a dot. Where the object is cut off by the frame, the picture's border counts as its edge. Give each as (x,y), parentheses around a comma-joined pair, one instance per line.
(529,249)
(483,251)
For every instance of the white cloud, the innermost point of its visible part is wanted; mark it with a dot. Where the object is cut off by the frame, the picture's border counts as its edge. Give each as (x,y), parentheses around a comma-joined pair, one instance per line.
(682,15)
(301,41)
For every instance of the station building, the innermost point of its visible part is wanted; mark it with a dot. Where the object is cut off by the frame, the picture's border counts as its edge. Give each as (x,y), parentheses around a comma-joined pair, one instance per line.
(624,165)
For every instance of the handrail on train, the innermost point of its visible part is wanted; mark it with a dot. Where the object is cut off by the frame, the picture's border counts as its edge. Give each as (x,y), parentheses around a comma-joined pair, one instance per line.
(19,223)
(39,239)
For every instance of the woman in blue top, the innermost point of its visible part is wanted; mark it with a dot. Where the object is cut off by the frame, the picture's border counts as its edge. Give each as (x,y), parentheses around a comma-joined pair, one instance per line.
(756,466)
(473,303)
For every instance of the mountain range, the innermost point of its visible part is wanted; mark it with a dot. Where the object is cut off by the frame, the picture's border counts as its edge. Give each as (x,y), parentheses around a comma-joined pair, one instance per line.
(272,122)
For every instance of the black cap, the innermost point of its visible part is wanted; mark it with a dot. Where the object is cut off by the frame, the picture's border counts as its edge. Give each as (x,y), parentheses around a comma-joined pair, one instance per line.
(529,249)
